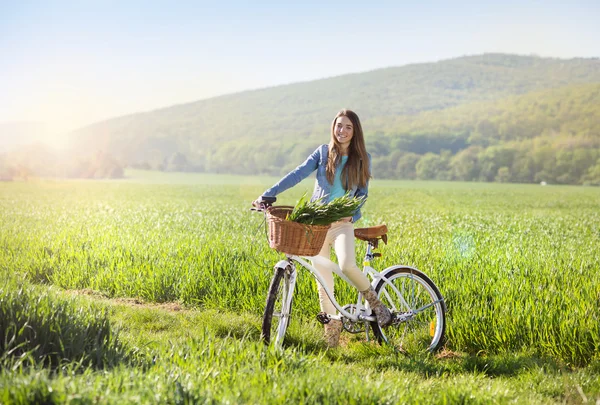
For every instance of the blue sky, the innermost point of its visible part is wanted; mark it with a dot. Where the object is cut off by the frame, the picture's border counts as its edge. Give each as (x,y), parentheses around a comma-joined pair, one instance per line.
(71,63)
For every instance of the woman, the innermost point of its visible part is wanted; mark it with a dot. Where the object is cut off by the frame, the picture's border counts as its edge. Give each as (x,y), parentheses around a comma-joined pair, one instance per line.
(342,166)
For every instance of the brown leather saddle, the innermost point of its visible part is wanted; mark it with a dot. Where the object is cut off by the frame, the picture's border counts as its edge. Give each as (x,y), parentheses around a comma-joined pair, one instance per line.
(372,234)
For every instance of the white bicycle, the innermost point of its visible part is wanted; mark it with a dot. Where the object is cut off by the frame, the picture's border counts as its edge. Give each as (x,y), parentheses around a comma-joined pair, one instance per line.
(417,307)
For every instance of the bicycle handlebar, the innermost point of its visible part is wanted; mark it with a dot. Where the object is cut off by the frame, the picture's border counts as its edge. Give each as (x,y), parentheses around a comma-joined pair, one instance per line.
(262,203)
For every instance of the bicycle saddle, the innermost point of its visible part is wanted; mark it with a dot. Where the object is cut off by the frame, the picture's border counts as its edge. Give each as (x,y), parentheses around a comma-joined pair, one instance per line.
(372,233)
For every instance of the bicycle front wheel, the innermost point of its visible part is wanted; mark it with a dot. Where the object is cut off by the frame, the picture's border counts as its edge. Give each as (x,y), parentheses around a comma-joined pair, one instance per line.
(278,307)
(418,308)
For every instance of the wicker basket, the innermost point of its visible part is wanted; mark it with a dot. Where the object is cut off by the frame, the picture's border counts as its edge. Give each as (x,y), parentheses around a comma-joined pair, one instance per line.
(292,237)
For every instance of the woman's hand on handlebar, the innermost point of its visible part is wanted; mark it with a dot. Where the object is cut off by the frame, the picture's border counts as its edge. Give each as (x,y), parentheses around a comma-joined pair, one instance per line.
(262,203)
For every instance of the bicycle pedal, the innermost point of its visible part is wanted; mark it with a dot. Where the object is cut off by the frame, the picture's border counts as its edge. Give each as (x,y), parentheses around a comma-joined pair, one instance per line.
(401,317)
(323,317)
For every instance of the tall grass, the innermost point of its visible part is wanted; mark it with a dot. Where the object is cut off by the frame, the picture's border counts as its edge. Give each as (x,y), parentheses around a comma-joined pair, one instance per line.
(518,265)
(39,327)
(214,357)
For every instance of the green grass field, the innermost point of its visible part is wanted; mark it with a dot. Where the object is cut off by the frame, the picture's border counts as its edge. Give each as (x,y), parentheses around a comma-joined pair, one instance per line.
(151,289)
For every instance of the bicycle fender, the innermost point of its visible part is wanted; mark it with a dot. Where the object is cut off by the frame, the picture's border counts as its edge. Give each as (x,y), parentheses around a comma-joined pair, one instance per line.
(383,273)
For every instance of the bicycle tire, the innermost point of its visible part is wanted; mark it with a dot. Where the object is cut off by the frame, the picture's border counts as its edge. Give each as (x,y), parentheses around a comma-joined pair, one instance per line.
(422,331)
(277,314)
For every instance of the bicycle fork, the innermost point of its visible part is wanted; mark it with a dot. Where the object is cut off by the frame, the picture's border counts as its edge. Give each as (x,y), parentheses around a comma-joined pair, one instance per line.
(289,276)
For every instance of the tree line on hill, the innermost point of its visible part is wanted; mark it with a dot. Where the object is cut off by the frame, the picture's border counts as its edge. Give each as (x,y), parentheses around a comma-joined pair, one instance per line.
(540,160)
(556,160)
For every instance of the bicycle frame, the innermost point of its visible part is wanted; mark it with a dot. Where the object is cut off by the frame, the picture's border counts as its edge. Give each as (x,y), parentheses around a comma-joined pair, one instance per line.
(367,270)
(320,280)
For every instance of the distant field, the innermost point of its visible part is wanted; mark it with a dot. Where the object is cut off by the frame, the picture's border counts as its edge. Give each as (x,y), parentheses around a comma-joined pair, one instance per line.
(518,265)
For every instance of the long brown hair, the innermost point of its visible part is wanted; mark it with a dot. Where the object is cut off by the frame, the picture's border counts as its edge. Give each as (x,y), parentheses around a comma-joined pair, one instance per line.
(356,171)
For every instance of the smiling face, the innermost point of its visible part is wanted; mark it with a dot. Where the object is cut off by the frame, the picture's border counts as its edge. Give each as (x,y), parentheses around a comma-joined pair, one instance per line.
(343,130)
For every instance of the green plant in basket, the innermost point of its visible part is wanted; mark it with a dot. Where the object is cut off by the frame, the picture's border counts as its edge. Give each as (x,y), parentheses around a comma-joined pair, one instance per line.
(317,213)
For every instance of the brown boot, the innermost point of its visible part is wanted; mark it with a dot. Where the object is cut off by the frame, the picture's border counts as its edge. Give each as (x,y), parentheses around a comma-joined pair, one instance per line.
(383,315)
(332,333)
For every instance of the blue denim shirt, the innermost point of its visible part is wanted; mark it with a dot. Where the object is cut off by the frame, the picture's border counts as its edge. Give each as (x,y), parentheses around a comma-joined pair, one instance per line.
(316,161)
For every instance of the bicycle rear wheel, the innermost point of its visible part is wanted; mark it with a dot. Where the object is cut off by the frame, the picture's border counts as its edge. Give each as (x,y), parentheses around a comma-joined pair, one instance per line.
(278,307)
(418,308)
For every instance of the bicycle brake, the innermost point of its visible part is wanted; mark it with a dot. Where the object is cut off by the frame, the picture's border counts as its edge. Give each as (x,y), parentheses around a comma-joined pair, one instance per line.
(323,317)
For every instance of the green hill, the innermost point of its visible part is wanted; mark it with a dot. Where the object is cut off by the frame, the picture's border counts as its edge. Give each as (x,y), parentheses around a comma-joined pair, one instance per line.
(411,112)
